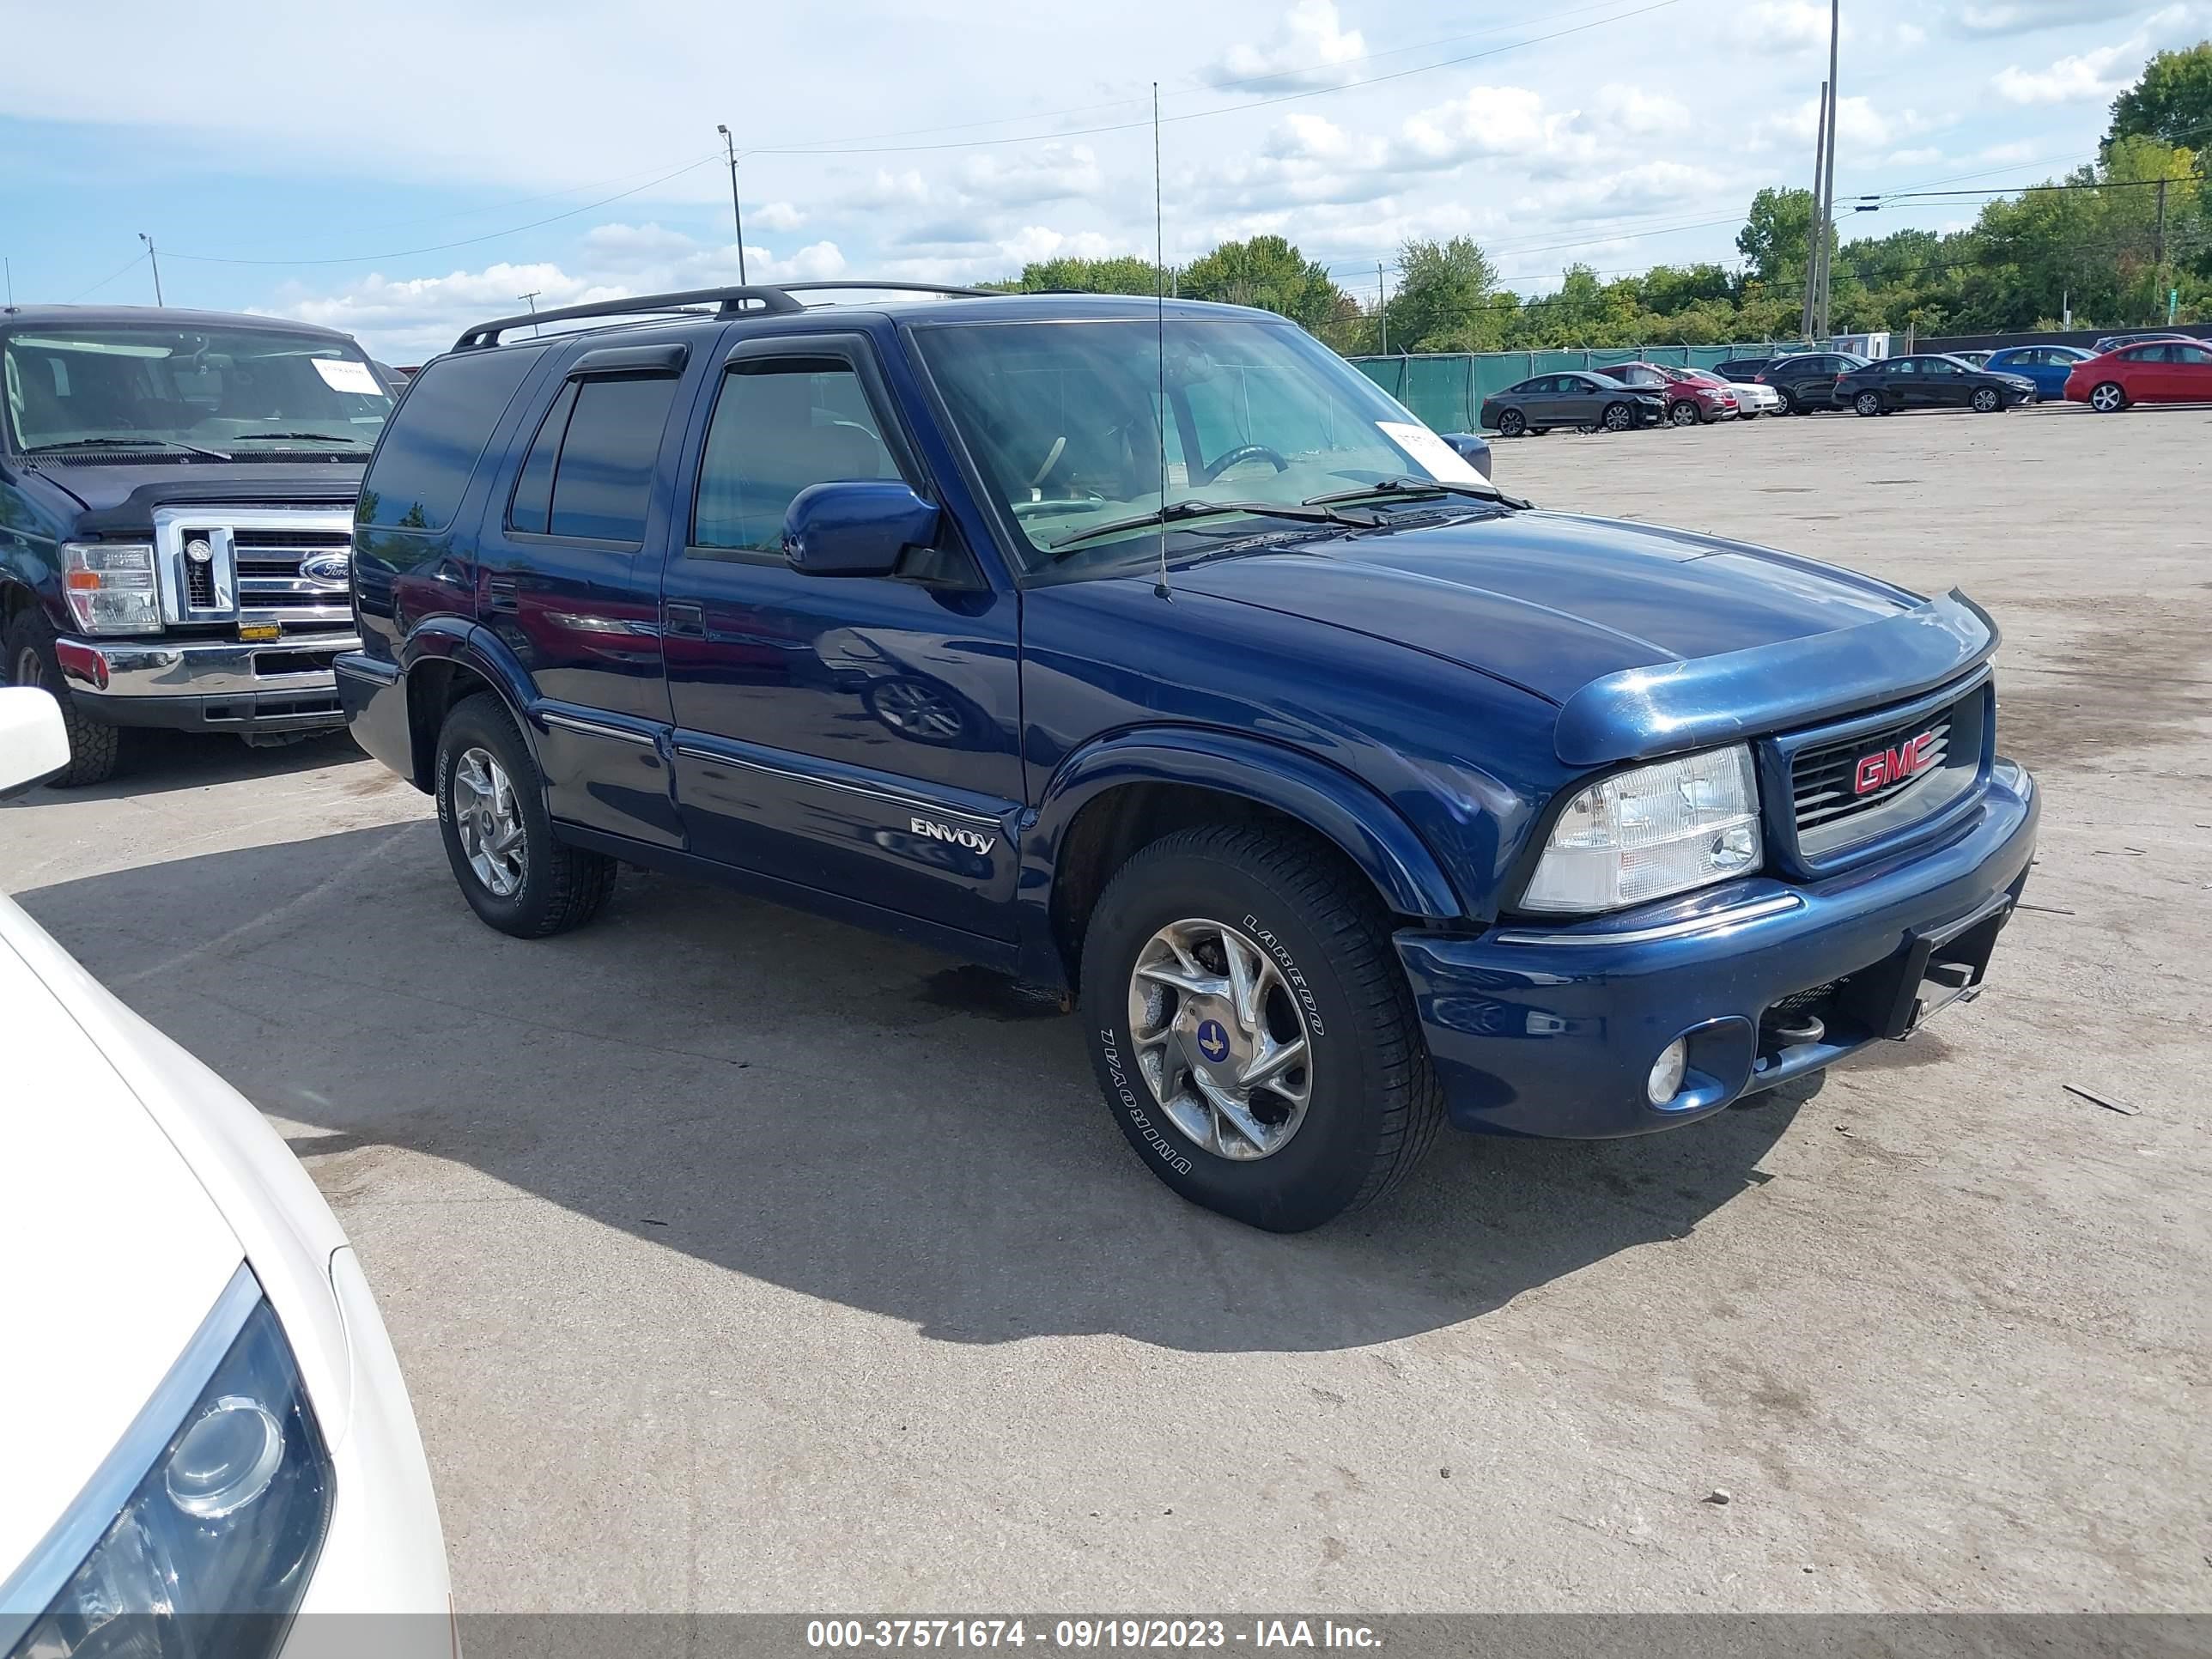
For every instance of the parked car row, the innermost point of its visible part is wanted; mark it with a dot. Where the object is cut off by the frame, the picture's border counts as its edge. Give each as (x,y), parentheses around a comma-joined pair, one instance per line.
(1623,397)
(2117,371)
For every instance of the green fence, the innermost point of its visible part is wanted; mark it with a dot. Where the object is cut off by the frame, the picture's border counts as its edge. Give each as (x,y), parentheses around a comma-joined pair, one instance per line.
(1446,389)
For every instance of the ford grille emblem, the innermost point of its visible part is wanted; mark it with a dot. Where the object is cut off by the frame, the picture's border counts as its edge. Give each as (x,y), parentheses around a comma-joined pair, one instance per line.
(328,569)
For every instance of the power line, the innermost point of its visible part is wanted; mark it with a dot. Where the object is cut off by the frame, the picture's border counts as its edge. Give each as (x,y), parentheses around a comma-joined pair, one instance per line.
(467,241)
(136,259)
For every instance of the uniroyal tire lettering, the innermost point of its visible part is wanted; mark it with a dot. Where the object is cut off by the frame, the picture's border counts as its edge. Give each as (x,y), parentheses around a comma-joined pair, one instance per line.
(1111,1052)
(1290,974)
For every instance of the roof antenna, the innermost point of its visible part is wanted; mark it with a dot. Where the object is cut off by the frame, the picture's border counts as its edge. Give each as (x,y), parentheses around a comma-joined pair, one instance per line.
(1160,338)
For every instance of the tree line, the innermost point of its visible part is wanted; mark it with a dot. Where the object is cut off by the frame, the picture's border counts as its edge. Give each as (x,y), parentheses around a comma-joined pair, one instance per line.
(2106,243)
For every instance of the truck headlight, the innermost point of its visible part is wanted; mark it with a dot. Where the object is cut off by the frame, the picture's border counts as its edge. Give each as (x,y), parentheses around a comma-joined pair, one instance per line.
(1642,835)
(111,586)
(212,1550)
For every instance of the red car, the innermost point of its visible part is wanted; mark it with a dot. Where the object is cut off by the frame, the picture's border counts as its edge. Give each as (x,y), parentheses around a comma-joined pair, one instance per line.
(2160,372)
(1690,401)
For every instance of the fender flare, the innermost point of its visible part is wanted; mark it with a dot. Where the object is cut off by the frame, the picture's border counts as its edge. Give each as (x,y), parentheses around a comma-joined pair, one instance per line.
(1332,803)
(466,644)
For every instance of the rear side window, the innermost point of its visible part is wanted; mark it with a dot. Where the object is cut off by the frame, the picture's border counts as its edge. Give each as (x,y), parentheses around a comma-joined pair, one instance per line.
(421,469)
(589,472)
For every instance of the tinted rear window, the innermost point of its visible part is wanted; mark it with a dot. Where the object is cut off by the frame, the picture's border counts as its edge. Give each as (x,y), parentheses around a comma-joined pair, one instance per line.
(433,443)
(605,470)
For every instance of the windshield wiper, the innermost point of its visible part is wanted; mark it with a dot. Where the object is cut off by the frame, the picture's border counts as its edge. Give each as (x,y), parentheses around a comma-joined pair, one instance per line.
(1406,486)
(128,443)
(1179,511)
(335,438)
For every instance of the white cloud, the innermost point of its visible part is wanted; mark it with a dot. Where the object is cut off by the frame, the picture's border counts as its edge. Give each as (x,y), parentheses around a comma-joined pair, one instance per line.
(1780,25)
(1645,114)
(777,216)
(1924,157)
(2098,74)
(2022,16)
(1024,178)
(1309,48)
(1858,125)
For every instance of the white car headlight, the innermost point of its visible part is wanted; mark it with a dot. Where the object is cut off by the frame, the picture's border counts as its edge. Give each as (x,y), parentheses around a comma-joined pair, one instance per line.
(1643,835)
(111,586)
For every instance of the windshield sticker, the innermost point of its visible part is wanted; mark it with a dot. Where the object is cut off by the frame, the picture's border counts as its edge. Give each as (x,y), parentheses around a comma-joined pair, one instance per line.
(1437,458)
(343,374)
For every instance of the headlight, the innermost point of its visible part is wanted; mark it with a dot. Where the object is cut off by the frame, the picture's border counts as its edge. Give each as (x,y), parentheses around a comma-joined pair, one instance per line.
(111,586)
(212,1549)
(1642,835)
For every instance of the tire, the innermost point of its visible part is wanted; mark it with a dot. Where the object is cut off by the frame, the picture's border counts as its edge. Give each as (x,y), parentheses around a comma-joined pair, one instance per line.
(556,886)
(1617,418)
(1683,412)
(26,654)
(1512,423)
(2108,397)
(1329,978)
(1538,431)
(1987,401)
(1868,403)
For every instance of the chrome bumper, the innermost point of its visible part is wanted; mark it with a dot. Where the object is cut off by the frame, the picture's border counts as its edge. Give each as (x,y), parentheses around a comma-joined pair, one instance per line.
(281,684)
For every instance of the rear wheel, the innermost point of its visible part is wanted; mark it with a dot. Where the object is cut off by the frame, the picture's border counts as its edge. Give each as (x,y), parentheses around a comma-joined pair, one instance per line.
(1512,423)
(1682,412)
(499,837)
(1251,1030)
(1617,418)
(29,645)
(2110,398)
(1868,403)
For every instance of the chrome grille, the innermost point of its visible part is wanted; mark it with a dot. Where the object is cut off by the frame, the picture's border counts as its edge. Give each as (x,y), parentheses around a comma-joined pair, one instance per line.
(1825,780)
(254,573)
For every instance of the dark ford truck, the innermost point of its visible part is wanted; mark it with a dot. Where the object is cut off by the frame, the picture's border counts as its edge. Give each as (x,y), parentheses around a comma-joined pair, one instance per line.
(176,502)
(1154,654)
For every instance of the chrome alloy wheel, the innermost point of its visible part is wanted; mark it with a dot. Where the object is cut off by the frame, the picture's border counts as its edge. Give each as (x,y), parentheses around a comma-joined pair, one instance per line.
(2107,399)
(489,819)
(1219,1038)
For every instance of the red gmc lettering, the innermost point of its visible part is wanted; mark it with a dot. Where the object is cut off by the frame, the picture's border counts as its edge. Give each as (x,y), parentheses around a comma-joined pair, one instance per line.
(1886,766)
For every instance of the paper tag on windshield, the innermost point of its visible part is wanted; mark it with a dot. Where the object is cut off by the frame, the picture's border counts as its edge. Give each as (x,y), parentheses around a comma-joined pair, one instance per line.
(1441,460)
(343,374)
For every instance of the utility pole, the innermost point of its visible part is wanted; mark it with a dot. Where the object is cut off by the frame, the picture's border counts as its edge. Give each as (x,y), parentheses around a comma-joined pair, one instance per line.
(1812,259)
(1828,185)
(2158,255)
(737,213)
(156,262)
(1383,308)
(531,300)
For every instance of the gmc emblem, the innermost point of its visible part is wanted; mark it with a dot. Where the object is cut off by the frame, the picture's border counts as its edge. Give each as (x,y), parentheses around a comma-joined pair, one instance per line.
(1887,766)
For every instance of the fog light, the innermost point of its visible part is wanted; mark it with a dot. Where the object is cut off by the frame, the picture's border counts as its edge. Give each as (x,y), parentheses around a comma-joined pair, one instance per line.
(1666,1080)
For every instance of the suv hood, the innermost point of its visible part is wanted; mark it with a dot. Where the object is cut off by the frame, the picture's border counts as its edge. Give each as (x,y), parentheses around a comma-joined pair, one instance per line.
(1648,639)
(111,1253)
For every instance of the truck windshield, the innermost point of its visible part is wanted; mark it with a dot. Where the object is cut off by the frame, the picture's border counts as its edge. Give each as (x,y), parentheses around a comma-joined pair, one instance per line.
(222,390)
(1064,421)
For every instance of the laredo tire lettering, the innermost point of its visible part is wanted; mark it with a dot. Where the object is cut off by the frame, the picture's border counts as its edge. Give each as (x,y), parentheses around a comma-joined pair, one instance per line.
(1290,967)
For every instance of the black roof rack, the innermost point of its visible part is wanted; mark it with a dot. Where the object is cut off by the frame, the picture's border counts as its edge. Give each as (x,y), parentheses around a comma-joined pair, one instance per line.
(726,302)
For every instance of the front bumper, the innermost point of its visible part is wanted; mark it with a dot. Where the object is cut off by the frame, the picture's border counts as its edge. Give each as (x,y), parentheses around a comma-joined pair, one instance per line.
(208,684)
(1553,1032)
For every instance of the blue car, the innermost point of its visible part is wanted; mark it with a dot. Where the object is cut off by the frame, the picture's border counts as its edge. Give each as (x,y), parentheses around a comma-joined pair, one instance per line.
(1151,654)
(2048,366)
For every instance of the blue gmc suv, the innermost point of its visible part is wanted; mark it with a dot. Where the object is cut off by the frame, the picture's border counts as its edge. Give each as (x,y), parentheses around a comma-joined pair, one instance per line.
(1151,654)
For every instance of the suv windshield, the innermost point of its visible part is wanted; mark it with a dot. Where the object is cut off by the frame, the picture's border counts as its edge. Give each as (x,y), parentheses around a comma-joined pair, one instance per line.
(207,390)
(1063,420)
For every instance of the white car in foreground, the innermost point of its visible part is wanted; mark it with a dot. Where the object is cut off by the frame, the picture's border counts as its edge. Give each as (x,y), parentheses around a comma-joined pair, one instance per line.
(204,1437)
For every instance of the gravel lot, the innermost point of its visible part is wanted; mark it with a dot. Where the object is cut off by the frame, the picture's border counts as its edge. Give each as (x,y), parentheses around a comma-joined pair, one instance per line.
(740,1261)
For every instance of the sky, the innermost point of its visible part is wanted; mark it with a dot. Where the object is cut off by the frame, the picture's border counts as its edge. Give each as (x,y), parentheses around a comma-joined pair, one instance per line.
(403,170)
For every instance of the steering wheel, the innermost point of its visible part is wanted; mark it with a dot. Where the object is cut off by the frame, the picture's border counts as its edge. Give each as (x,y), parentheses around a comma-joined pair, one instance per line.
(1242,452)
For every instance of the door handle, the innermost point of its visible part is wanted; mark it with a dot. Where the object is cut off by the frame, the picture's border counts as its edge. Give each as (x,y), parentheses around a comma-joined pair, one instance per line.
(684,620)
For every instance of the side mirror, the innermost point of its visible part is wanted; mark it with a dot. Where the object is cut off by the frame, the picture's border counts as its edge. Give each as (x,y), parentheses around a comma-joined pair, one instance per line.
(855,527)
(34,741)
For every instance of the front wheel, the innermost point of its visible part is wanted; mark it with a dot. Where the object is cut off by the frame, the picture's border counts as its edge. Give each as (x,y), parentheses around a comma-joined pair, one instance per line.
(1251,1029)
(1512,423)
(1867,403)
(2109,399)
(498,836)
(1617,418)
(29,645)
(1986,401)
